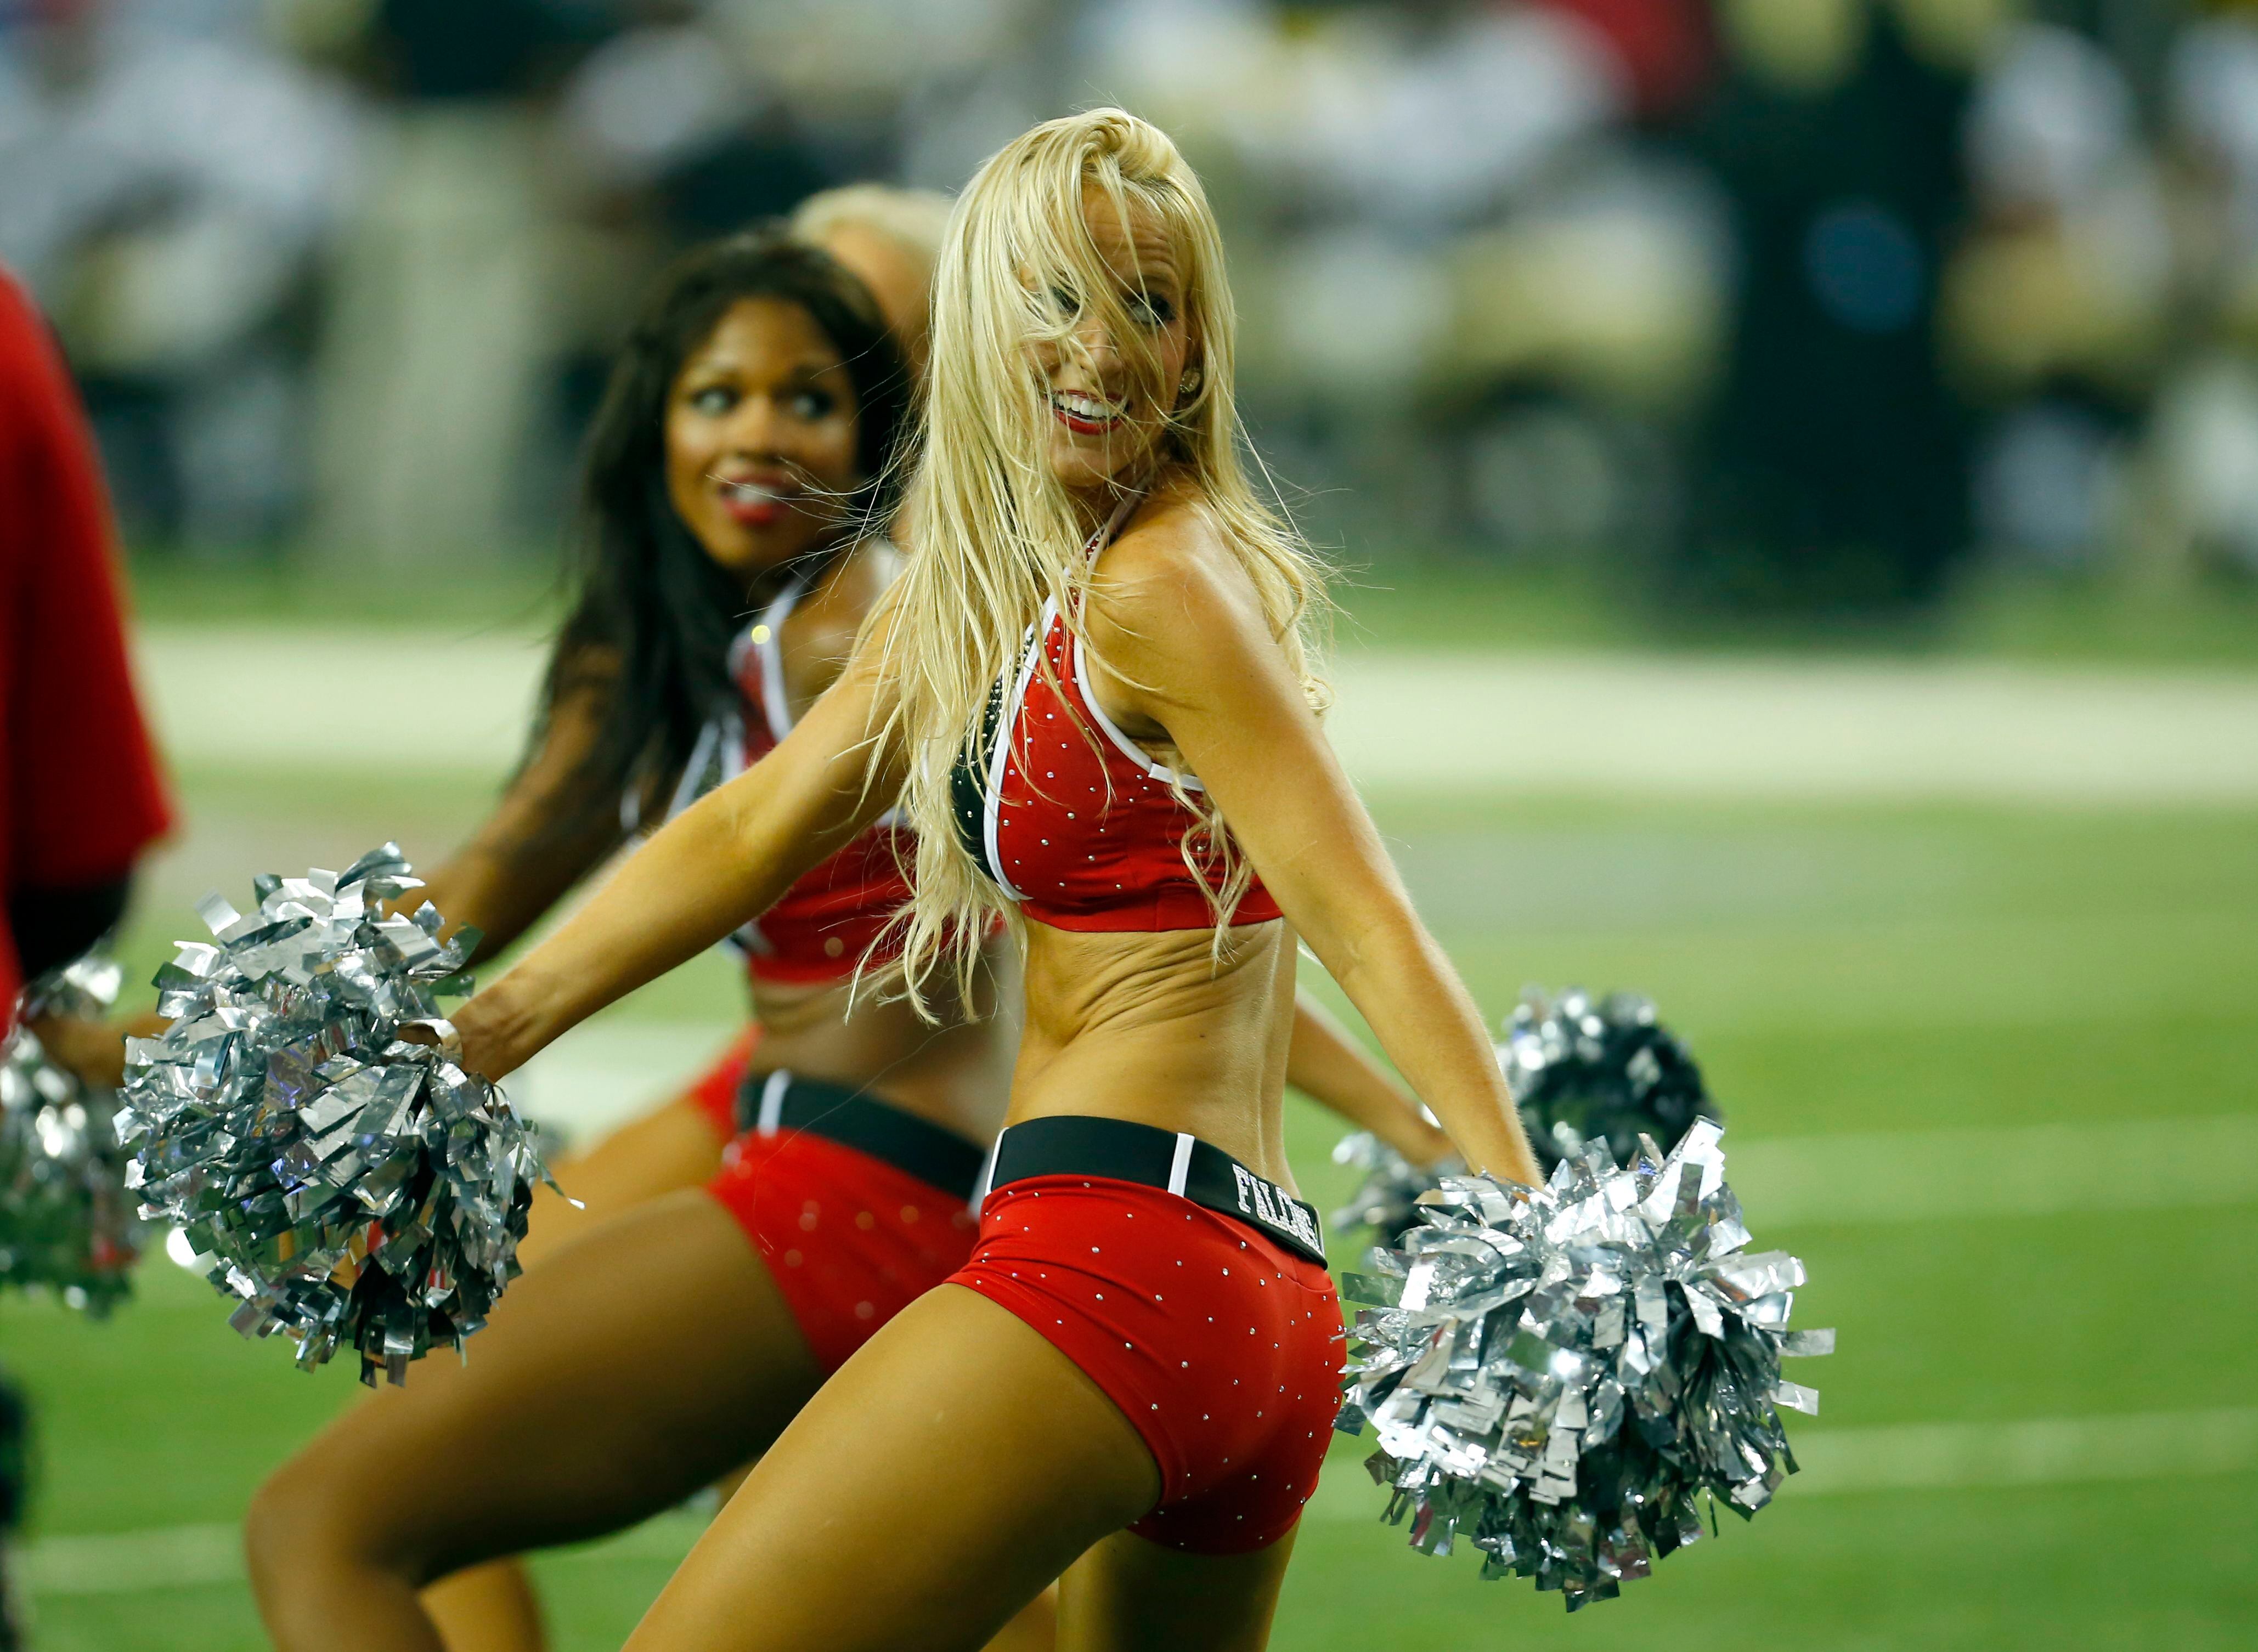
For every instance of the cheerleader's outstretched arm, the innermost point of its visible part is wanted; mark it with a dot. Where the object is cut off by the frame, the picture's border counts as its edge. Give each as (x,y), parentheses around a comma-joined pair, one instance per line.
(712,867)
(1328,1065)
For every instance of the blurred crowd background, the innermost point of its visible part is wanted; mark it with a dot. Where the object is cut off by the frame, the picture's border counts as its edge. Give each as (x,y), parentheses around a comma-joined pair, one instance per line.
(1807,305)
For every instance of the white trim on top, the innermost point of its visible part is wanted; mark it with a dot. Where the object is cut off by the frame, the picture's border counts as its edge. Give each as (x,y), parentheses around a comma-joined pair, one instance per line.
(775,698)
(1007,723)
(728,733)
(776,705)
(1127,747)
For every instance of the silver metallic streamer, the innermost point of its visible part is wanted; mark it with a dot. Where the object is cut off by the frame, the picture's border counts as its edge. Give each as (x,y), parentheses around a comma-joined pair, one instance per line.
(1557,1373)
(1584,1070)
(1387,1200)
(1580,1070)
(67,1222)
(352,1189)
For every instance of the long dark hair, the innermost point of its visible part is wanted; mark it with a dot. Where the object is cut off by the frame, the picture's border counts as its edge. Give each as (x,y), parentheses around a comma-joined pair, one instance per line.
(652,615)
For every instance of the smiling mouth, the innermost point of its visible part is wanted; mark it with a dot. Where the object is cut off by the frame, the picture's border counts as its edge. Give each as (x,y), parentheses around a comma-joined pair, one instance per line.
(754,503)
(1086,415)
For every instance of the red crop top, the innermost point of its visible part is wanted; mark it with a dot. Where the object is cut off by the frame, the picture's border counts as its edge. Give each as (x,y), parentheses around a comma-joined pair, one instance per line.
(1068,815)
(823,924)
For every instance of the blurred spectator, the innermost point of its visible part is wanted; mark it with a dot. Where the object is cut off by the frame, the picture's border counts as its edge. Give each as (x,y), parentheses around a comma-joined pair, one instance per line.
(2205,431)
(2056,307)
(167,181)
(702,116)
(531,178)
(1664,46)
(1831,470)
(443,317)
(724,111)
(440,50)
(925,89)
(1819,291)
(1468,294)
(79,797)
(674,108)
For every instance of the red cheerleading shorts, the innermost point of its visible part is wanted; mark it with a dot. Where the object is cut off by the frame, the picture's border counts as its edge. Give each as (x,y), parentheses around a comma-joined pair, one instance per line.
(856,1207)
(714,1092)
(1220,1341)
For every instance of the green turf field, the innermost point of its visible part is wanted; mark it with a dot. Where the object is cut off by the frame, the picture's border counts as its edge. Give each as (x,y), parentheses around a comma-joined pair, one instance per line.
(1875,993)
(1449,596)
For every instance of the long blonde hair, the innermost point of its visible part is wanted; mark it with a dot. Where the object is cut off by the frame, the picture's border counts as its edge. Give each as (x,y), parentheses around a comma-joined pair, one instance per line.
(995,535)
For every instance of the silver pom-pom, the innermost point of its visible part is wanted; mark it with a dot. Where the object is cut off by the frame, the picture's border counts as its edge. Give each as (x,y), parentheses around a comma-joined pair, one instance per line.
(1558,1373)
(352,1189)
(1580,1071)
(67,1222)
(1597,1070)
(1387,1200)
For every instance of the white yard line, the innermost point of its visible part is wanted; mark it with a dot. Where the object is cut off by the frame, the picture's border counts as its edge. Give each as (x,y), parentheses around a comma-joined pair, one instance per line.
(2039,1170)
(194,1556)
(1609,723)
(1796,729)
(2158,1445)
(318,701)
(1837,1462)
(596,1079)
(126,1563)
(2046,1451)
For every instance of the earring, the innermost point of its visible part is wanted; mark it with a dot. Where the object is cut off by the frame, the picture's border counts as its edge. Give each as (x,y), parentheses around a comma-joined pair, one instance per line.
(1189,384)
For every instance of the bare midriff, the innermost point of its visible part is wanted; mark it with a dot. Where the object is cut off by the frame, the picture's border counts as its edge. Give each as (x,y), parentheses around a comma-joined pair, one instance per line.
(1155,1028)
(955,1074)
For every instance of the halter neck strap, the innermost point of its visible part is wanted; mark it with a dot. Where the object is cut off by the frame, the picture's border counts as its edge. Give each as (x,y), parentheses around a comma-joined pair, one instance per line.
(767,635)
(1122,512)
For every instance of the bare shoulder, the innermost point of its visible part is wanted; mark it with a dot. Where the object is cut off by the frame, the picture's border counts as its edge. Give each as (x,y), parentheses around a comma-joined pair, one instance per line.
(1172,579)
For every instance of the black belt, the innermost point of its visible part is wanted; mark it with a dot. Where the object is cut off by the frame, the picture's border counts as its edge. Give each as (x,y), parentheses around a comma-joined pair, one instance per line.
(769,1103)
(1077,1144)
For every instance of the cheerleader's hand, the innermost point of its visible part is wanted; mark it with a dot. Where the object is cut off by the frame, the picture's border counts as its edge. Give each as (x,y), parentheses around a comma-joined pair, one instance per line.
(90,1051)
